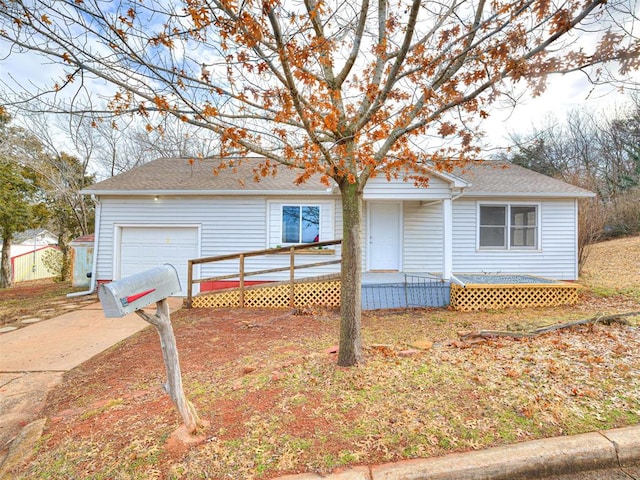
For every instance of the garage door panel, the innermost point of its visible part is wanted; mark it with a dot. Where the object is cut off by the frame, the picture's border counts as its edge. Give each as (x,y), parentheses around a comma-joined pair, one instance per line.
(142,248)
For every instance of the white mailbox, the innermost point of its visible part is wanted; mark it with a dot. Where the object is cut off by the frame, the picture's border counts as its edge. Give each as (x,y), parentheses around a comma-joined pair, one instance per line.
(135,292)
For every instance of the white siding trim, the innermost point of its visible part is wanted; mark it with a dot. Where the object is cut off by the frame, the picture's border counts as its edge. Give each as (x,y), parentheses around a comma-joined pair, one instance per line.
(510,204)
(274,214)
(447,239)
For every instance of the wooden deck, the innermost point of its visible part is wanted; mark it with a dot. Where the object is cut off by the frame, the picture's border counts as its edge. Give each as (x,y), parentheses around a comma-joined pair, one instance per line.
(380,290)
(482,296)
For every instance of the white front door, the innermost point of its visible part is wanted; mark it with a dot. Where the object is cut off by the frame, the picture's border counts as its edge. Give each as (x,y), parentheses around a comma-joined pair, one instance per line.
(385,220)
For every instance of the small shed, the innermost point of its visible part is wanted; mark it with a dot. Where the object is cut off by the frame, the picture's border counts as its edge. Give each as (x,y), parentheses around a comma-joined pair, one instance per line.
(82,260)
(31,262)
(35,236)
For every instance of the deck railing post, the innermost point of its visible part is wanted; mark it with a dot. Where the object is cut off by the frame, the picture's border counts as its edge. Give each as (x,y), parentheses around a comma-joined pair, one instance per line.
(241,284)
(406,292)
(292,285)
(189,283)
(304,249)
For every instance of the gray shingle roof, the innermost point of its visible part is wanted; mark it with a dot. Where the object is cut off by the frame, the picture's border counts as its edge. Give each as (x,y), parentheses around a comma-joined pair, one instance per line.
(491,178)
(179,176)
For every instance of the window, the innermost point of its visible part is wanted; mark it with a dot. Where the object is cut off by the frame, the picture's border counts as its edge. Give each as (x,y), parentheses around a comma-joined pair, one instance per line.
(524,228)
(300,223)
(508,227)
(493,226)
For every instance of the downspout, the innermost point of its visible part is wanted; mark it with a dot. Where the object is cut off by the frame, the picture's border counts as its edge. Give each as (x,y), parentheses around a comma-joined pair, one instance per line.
(96,242)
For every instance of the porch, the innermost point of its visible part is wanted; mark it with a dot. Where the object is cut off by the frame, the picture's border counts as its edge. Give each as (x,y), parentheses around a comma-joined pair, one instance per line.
(497,291)
(380,290)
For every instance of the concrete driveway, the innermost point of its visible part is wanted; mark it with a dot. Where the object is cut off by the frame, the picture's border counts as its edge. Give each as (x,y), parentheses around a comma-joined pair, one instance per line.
(34,359)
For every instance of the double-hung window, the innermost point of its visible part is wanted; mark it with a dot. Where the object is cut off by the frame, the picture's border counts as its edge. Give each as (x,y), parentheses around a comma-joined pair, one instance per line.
(510,227)
(300,223)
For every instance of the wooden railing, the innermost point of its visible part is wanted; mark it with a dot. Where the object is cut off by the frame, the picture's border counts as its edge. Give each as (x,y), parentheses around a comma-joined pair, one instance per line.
(306,249)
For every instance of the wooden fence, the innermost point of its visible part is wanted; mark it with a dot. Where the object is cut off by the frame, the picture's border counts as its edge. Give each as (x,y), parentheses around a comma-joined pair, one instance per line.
(241,276)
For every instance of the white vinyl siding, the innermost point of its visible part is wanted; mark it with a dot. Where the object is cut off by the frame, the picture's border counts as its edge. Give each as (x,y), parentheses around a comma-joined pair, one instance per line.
(221,232)
(379,188)
(227,225)
(554,256)
(423,237)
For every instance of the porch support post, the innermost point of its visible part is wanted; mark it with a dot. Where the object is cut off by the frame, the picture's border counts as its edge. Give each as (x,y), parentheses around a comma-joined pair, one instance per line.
(447,250)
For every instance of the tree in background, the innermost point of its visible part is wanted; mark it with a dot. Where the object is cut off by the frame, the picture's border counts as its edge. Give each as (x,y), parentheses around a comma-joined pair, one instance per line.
(596,151)
(106,144)
(62,177)
(124,143)
(20,204)
(343,90)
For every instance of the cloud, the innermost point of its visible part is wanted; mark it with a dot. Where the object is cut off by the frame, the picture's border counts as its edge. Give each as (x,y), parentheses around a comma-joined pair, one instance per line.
(564,94)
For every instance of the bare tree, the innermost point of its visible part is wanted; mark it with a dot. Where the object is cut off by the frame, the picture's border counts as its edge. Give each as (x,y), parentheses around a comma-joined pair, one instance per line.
(345,90)
(595,150)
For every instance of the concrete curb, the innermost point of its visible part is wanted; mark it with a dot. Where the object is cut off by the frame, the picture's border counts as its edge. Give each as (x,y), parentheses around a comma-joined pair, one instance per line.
(527,460)
(627,444)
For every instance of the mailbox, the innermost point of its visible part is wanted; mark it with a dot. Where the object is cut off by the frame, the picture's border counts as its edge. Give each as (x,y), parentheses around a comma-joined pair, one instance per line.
(135,292)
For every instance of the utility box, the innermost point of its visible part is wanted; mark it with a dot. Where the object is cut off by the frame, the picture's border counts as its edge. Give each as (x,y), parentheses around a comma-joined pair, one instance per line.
(82,260)
(124,296)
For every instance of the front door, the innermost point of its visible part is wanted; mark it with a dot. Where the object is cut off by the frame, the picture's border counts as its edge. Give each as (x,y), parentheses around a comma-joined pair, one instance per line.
(384,236)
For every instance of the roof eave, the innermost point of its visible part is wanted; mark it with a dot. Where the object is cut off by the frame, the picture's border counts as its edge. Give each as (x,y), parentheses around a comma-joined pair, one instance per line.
(151,193)
(454,180)
(531,194)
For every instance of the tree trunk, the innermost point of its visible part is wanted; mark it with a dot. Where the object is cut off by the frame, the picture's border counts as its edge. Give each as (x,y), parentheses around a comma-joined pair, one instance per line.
(173,387)
(65,267)
(5,263)
(350,350)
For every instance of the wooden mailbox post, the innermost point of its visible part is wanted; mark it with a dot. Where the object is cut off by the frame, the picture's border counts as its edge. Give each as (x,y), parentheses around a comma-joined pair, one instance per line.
(130,295)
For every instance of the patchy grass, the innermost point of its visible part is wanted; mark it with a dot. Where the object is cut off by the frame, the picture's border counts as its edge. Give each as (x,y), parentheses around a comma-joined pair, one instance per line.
(612,267)
(38,299)
(277,402)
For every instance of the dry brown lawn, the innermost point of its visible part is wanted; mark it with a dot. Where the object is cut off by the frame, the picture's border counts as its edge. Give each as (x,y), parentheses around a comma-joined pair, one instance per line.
(613,266)
(276,403)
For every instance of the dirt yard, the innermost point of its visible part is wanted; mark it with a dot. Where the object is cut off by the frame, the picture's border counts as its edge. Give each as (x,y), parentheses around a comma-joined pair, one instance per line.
(267,383)
(38,300)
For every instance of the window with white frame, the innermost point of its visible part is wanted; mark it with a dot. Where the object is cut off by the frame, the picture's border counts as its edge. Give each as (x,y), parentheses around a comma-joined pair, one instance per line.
(508,226)
(300,223)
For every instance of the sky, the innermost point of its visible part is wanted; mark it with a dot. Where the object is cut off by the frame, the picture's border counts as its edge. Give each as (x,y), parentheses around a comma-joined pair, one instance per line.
(564,94)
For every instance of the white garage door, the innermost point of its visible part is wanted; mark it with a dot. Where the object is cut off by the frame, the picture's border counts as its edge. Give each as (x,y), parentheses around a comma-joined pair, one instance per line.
(142,248)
